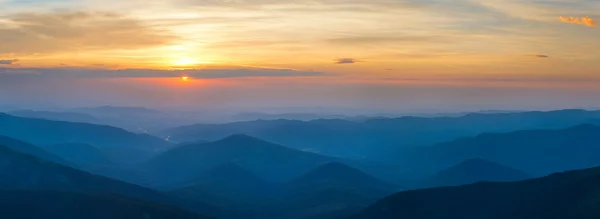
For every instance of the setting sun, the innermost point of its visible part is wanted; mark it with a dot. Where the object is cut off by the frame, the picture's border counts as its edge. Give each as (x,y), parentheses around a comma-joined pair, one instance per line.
(185,78)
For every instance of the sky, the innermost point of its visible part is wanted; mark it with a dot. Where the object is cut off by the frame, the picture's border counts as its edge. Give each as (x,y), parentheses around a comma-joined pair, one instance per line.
(371,54)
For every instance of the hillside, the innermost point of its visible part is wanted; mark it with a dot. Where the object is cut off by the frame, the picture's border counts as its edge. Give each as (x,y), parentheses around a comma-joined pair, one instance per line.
(269,161)
(30,149)
(120,144)
(536,152)
(472,171)
(40,131)
(568,195)
(231,187)
(329,191)
(39,204)
(81,154)
(21,171)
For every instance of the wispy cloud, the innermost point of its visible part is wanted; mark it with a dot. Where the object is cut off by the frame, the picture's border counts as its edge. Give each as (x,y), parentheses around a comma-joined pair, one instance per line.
(345,61)
(387,39)
(8,61)
(587,21)
(538,55)
(59,31)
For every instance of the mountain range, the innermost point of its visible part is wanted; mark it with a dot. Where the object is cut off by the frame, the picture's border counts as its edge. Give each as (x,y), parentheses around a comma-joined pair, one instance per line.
(380,138)
(332,190)
(56,116)
(231,187)
(568,195)
(26,148)
(241,176)
(21,172)
(472,171)
(269,161)
(535,152)
(119,144)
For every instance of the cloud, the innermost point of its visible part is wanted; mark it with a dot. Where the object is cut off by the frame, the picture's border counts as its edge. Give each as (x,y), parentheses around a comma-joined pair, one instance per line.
(587,21)
(538,55)
(351,40)
(8,61)
(52,32)
(50,73)
(346,61)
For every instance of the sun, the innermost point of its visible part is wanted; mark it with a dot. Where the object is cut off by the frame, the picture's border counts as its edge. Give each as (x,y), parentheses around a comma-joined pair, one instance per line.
(185,78)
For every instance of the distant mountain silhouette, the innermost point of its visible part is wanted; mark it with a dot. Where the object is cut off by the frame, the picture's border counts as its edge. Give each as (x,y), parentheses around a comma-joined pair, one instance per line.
(381,138)
(21,171)
(536,152)
(472,171)
(229,186)
(38,204)
(269,161)
(30,149)
(330,191)
(292,116)
(112,140)
(82,154)
(230,173)
(338,174)
(117,110)
(566,195)
(56,116)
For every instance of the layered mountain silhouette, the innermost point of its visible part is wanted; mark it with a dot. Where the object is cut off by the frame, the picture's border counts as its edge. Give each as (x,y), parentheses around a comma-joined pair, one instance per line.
(337,175)
(56,116)
(81,154)
(231,187)
(40,131)
(21,171)
(117,142)
(381,138)
(472,171)
(117,110)
(39,204)
(269,161)
(26,148)
(230,176)
(567,195)
(536,152)
(228,182)
(329,191)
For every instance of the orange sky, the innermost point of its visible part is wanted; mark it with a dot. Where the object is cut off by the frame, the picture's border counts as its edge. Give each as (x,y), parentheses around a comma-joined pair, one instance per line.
(493,43)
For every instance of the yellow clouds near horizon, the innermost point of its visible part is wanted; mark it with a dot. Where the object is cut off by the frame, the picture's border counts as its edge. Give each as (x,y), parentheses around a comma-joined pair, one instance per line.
(426,36)
(587,21)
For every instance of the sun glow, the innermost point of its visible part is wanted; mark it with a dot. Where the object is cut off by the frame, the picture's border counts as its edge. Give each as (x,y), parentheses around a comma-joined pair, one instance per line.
(184,61)
(185,78)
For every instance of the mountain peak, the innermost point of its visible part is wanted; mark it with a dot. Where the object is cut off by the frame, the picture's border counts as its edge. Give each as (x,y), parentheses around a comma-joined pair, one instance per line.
(240,137)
